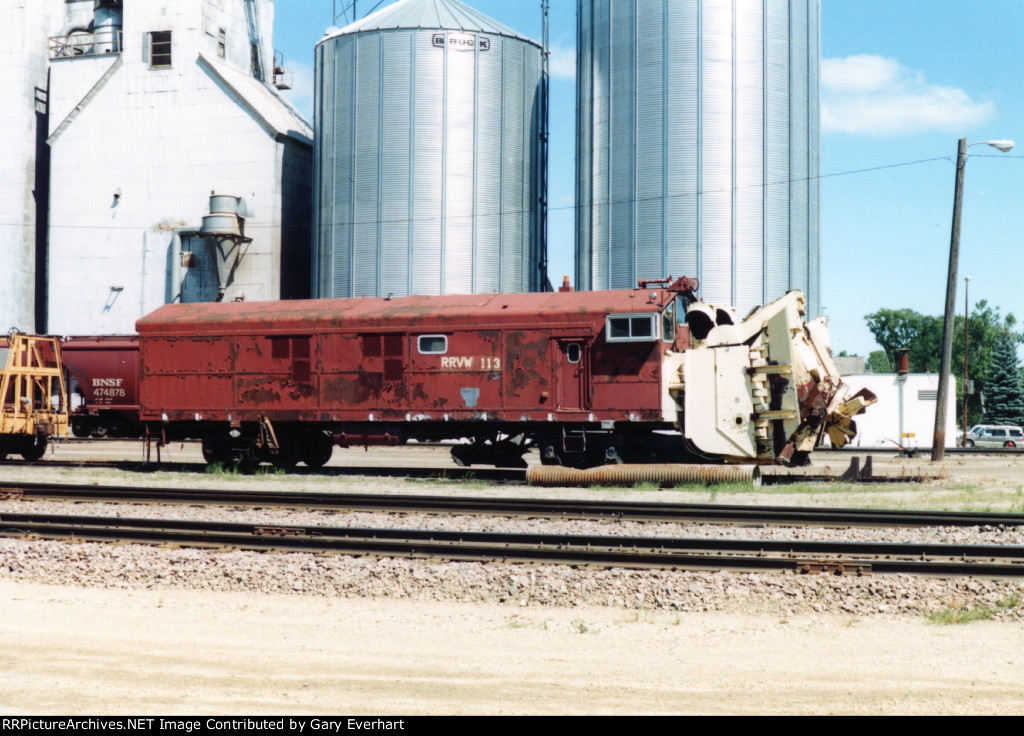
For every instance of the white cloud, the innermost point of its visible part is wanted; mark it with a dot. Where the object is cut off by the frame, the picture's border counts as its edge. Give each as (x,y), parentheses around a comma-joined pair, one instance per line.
(873,94)
(562,62)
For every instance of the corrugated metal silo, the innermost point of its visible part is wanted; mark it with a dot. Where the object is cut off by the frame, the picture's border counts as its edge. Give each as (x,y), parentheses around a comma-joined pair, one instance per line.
(427,142)
(698,140)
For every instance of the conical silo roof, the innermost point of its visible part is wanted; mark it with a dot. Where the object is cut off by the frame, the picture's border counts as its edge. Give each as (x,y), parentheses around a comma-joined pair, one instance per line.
(449,15)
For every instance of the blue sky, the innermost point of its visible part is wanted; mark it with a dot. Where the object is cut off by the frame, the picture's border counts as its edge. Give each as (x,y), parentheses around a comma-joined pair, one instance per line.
(902,81)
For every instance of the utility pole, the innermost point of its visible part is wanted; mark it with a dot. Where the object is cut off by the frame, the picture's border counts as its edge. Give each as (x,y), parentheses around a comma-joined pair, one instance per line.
(939,435)
(967,324)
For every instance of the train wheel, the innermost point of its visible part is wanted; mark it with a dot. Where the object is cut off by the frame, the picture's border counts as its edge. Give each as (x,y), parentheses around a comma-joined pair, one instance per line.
(287,455)
(217,449)
(98,431)
(36,450)
(247,465)
(317,449)
(80,428)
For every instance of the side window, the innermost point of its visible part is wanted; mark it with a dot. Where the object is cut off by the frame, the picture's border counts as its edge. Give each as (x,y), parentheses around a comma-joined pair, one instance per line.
(160,50)
(631,328)
(432,344)
(668,323)
(573,352)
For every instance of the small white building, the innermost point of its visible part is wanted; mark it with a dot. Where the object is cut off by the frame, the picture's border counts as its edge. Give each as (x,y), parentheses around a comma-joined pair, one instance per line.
(879,425)
(153,106)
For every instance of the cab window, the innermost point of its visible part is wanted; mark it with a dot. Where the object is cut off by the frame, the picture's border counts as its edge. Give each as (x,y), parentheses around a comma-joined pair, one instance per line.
(668,323)
(432,344)
(631,328)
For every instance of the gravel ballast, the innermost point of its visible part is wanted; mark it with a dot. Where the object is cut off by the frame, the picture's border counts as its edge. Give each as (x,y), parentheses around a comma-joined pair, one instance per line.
(135,566)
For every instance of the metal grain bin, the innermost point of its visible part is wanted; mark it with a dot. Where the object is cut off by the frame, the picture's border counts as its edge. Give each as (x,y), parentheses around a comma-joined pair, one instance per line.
(698,140)
(426,155)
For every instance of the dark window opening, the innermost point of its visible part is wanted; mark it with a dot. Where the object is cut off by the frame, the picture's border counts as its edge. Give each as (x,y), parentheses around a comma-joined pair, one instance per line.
(160,50)
(573,352)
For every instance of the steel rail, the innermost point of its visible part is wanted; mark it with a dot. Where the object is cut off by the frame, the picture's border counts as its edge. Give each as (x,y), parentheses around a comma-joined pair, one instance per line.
(530,507)
(601,550)
(495,475)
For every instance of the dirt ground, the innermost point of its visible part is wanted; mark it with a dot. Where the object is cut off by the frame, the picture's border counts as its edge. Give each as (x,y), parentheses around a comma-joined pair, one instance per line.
(99,652)
(67,650)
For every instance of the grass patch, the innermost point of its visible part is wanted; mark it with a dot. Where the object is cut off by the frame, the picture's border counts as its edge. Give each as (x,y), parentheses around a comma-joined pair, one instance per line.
(580,626)
(961,614)
(469,481)
(640,615)
(950,616)
(221,469)
(1013,600)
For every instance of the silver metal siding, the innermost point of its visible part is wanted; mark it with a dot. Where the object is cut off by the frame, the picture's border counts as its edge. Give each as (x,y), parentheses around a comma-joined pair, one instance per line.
(396,164)
(428,168)
(799,160)
(698,146)
(426,165)
(682,184)
(716,139)
(748,266)
(621,145)
(584,137)
(649,171)
(777,141)
(370,98)
(489,172)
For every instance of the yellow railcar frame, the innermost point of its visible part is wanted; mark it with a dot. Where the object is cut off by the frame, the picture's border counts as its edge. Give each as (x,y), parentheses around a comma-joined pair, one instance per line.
(32,388)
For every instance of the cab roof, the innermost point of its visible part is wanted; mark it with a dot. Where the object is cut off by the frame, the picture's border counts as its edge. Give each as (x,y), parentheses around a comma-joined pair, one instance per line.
(398,313)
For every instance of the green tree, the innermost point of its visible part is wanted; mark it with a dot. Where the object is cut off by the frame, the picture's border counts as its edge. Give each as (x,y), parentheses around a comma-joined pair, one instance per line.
(878,362)
(921,335)
(1005,399)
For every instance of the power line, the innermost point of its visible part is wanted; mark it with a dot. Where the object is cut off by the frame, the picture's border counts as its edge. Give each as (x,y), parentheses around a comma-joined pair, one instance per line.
(429,220)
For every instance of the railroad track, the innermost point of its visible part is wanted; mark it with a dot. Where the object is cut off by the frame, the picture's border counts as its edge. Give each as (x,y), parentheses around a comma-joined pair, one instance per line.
(517,507)
(857,558)
(495,475)
(767,475)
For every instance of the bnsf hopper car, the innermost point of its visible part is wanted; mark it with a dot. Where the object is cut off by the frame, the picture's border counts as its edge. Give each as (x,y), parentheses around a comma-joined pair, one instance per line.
(588,378)
(104,378)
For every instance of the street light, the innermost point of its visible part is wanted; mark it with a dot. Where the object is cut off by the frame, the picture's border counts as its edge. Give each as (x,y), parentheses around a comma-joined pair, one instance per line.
(939,435)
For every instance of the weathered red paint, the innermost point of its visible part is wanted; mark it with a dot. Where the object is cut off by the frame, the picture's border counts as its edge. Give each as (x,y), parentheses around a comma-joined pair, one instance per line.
(357,360)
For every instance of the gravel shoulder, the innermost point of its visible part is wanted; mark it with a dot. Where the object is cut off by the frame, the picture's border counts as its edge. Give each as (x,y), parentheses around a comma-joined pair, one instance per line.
(101,629)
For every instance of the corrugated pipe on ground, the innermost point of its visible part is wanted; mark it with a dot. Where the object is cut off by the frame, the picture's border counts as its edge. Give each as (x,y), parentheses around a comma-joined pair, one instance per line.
(629,475)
